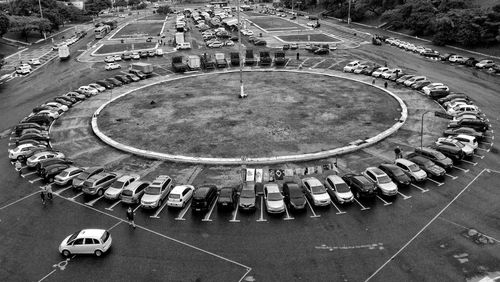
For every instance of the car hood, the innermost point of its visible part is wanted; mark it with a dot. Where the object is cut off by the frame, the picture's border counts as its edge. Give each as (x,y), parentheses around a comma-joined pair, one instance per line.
(388,187)
(150,198)
(275,204)
(321,197)
(247,201)
(113,191)
(344,195)
(421,173)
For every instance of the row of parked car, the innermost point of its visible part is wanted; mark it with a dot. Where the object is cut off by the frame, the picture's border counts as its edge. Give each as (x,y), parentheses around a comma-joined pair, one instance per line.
(487,64)
(133,55)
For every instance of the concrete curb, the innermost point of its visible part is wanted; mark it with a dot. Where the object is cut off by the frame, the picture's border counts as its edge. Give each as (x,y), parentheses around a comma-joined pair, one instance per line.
(247,161)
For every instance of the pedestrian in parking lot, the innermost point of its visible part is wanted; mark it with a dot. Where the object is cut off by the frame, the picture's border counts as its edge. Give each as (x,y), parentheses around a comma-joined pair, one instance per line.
(398,152)
(48,190)
(18,166)
(42,195)
(373,81)
(298,56)
(130,217)
(385,85)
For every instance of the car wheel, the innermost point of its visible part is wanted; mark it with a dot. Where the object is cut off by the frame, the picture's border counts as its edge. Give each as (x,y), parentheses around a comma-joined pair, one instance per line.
(98,253)
(66,253)
(100,192)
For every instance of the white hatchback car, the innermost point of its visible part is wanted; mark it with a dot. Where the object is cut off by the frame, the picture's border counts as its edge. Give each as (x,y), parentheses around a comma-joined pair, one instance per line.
(338,189)
(316,191)
(467,139)
(86,241)
(180,195)
(274,198)
(97,86)
(113,66)
(381,180)
(350,66)
(85,89)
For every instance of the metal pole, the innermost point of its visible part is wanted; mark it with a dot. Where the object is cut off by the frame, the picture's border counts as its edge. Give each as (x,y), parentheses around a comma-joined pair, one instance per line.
(41,16)
(239,51)
(349,14)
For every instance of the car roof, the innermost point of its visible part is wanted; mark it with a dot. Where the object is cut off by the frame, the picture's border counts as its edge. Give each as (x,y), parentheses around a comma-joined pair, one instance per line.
(336,179)
(72,168)
(132,186)
(124,178)
(375,170)
(97,176)
(93,169)
(180,188)
(91,233)
(272,187)
(404,162)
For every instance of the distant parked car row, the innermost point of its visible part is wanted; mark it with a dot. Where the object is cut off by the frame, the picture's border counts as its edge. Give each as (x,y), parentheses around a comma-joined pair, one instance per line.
(133,55)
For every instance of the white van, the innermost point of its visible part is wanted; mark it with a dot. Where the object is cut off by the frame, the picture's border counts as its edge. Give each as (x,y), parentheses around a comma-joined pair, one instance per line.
(159,52)
(183,46)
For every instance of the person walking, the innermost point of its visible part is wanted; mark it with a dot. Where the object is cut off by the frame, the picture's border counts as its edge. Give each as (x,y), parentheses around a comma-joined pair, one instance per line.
(18,166)
(42,195)
(130,217)
(48,190)
(373,81)
(298,56)
(385,85)
(398,152)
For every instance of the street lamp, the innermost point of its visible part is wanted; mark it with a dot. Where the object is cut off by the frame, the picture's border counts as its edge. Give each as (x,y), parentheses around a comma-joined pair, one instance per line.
(349,13)
(41,16)
(422,128)
(242,91)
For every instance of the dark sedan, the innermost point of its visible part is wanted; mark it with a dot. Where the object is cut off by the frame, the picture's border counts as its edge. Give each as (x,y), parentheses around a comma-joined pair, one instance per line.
(227,198)
(51,171)
(42,165)
(294,196)
(114,81)
(360,185)
(428,166)
(33,136)
(122,78)
(105,84)
(396,174)
(463,130)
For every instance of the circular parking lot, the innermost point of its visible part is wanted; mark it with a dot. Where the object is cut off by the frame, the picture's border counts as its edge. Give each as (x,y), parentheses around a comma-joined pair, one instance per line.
(285,113)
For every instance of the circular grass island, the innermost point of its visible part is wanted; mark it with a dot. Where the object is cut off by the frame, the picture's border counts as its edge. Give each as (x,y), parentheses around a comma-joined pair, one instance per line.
(286,113)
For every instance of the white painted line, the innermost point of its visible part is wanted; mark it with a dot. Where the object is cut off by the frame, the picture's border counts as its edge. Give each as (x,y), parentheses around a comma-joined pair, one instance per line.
(261,218)
(436,182)
(207,216)
(28,174)
(136,208)
(91,203)
(452,177)
(459,168)
(363,208)
(288,217)
(479,156)
(467,228)
(58,192)
(315,65)
(50,273)
(383,201)
(35,180)
(404,196)
(338,210)
(18,200)
(77,195)
(469,162)
(312,210)
(423,229)
(159,210)
(235,212)
(118,223)
(482,149)
(183,212)
(11,144)
(110,208)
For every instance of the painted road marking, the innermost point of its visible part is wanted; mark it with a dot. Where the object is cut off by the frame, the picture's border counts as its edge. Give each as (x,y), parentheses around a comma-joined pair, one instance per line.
(312,210)
(235,212)
(404,196)
(315,65)
(483,149)
(207,216)
(77,195)
(378,246)
(452,177)
(110,208)
(28,174)
(459,168)
(384,201)
(11,144)
(58,192)
(469,162)
(288,217)
(136,208)
(35,180)
(338,210)
(183,212)
(91,203)
(159,210)
(363,208)
(261,218)
(437,182)
(18,200)
(479,156)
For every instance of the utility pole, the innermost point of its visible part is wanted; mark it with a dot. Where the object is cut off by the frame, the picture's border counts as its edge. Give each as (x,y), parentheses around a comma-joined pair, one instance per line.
(242,88)
(41,16)
(349,13)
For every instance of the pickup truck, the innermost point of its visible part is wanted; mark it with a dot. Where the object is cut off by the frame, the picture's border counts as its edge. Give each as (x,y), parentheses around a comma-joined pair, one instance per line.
(178,64)
(279,58)
(207,61)
(265,59)
(235,58)
(249,57)
(220,60)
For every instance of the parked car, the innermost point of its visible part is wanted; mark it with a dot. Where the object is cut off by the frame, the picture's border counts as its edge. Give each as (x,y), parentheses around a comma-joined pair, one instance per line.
(77,182)
(294,196)
(112,66)
(18,129)
(452,96)
(67,175)
(360,185)
(85,89)
(132,77)
(428,166)
(404,78)
(109,59)
(467,150)
(273,198)
(485,64)
(86,241)
(38,119)
(415,173)
(435,156)
(98,87)
(98,183)
(105,84)
(42,165)
(122,78)
(38,157)
(180,196)
(467,140)
(24,151)
(133,192)
(228,198)
(247,196)
(477,124)
(397,175)
(114,81)
(452,152)
(464,130)
(382,181)
(351,66)
(203,198)
(379,71)
(115,189)
(414,80)
(50,172)
(463,108)
(338,189)
(316,192)
(359,68)
(157,192)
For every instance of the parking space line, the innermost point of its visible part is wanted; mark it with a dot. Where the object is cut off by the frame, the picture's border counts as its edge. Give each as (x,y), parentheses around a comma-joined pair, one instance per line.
(435,181)
(136,208)
(235,212)
(404,196)
(459,168)
(288,217)
(159,210)
(312,210)
(261,218)
(479,156)
(383,201)
(452,177)
(420,188)
(18,200)
(35,180)
(11,144)
(77,195)
(469,162)
(315,65)
(183,212)
(58,192)
(363,208)
(482,149)
(110,208)
(28,174)
(207,216)
(338,210)
(91,203)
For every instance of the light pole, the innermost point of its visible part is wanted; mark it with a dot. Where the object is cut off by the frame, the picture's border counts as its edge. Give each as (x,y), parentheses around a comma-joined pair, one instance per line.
(41,16)
(422,128)
(349,14)
(242,91)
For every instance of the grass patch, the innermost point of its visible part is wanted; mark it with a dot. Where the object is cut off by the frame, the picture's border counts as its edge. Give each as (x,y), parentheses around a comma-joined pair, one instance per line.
(275,23)
(122,47)
(285,113)
(312,37)
(155,17)
(139,30)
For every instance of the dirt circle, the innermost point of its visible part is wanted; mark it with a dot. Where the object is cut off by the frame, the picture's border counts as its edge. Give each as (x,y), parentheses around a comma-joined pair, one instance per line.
(285,113)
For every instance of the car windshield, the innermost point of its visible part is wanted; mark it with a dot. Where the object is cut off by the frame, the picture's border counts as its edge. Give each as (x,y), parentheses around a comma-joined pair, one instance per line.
(384,179)
(64,173)
(73,236)
(342,187)
(152,190)
(225,193)
(247,194)
(460,144)
(274,197)
(117,185)
(318,189)
(413,168)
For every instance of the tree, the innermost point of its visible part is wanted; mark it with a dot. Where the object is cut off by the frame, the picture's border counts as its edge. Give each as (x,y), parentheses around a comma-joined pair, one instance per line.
(443,28)
(28,24)
(121,3)
(164,10)
(93,7)
(4,24)
(134,2)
